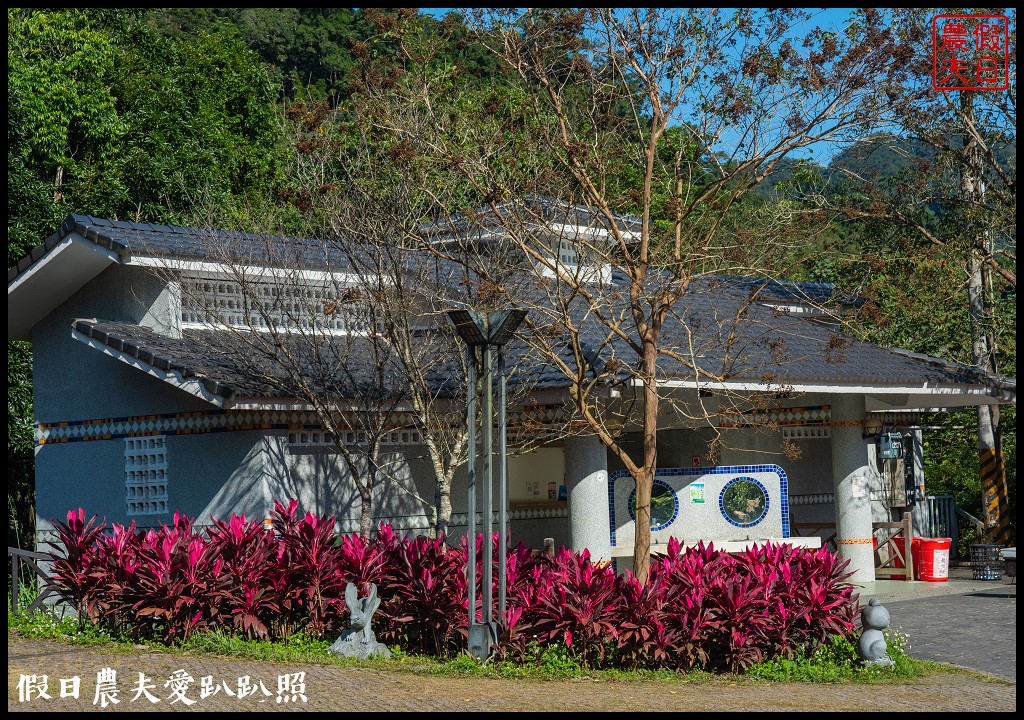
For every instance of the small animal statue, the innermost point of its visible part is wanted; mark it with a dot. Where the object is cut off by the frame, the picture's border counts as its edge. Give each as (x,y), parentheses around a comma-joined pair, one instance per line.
(875,620)
(358,639)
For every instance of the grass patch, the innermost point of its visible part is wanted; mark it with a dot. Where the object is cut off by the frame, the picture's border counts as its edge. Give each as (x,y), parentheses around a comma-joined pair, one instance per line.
(835,662)
(39,625)
(838,661)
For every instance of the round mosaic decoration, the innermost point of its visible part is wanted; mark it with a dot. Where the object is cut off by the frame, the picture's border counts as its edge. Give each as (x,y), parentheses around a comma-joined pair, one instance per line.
(664,505)
(743,501)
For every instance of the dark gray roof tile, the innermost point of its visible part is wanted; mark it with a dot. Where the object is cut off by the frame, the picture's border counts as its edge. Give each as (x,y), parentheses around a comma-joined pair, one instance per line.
(532,208)
(789,349)
(229,366)
(127,237)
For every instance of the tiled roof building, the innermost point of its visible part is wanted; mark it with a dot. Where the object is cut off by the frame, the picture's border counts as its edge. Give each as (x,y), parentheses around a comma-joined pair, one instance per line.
(151,397)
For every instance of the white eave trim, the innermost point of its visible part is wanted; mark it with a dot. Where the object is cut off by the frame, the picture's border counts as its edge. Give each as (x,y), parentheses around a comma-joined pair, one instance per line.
(192,386)
(246,402)
(461,236)
(834,388)
(52,254)
(796,309)
(572,231)
(215,269)
(53,278)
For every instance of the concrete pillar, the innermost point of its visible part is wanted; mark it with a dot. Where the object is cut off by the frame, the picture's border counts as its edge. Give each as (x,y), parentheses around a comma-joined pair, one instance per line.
(851,482)
(586,482)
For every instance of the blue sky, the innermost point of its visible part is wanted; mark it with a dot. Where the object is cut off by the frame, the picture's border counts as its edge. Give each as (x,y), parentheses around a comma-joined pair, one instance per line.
(834,19)
(827,18)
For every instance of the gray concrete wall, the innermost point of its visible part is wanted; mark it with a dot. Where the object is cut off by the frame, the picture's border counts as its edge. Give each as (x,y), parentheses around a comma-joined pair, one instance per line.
(319,478)
(72,381)
(223,473)
(89,475)
(208,474)
(220,474)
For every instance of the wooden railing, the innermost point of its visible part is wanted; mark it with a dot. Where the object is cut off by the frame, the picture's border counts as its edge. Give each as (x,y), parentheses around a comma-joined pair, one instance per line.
(891,550)
(27,559)
(905,528)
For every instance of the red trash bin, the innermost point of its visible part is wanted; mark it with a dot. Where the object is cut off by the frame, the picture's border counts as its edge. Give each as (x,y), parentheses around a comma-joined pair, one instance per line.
(932,557)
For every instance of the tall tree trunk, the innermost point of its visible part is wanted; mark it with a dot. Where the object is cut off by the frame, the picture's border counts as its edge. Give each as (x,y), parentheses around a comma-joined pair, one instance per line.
(994,493)
(645,479)
(442,491)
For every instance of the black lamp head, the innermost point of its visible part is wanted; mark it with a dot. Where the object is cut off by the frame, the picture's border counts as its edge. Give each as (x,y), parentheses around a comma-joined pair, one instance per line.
(503,325)
(495,328)
(470,326)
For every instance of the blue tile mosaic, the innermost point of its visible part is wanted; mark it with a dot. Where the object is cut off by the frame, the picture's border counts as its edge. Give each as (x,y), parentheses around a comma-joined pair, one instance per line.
(718,470)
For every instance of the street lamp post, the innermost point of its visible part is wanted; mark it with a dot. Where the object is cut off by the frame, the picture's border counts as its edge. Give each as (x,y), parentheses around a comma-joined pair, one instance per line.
(482,332)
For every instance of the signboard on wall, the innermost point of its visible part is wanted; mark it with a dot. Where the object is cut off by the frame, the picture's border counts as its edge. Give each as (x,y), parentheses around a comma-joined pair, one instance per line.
(697,493)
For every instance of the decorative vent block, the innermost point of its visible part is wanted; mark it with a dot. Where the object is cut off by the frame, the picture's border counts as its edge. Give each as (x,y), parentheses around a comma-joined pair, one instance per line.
(145,475)
(321,438)
(807,432)
(284,306)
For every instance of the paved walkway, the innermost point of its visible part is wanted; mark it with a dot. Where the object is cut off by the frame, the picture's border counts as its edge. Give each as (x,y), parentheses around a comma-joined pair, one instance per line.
(332,688)
(965,622)
(960,623)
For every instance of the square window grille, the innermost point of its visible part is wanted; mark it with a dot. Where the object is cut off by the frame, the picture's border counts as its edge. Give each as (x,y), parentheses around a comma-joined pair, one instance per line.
(145,475)
(299,439)
(807,432)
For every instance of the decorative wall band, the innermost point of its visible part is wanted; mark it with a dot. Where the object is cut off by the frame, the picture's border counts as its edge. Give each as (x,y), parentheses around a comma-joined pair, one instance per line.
(187,423)
(812,499)
(517,514)
(537,418)
(856,541)
(807,432)
(407,523)
(897,418)
(777,417)
(206,421)
(458,520)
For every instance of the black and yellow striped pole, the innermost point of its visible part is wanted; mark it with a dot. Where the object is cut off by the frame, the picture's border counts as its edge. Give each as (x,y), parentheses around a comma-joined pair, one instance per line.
(994,495)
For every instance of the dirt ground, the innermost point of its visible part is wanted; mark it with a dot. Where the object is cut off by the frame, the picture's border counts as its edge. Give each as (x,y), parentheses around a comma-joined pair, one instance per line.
(216,684)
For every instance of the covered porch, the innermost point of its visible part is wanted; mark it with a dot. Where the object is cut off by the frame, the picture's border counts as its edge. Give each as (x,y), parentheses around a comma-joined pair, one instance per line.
(821,459)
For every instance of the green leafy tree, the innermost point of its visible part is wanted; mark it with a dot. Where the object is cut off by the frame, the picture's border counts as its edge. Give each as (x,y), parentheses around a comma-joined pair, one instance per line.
(106,117)
(315,54)
(949,217)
